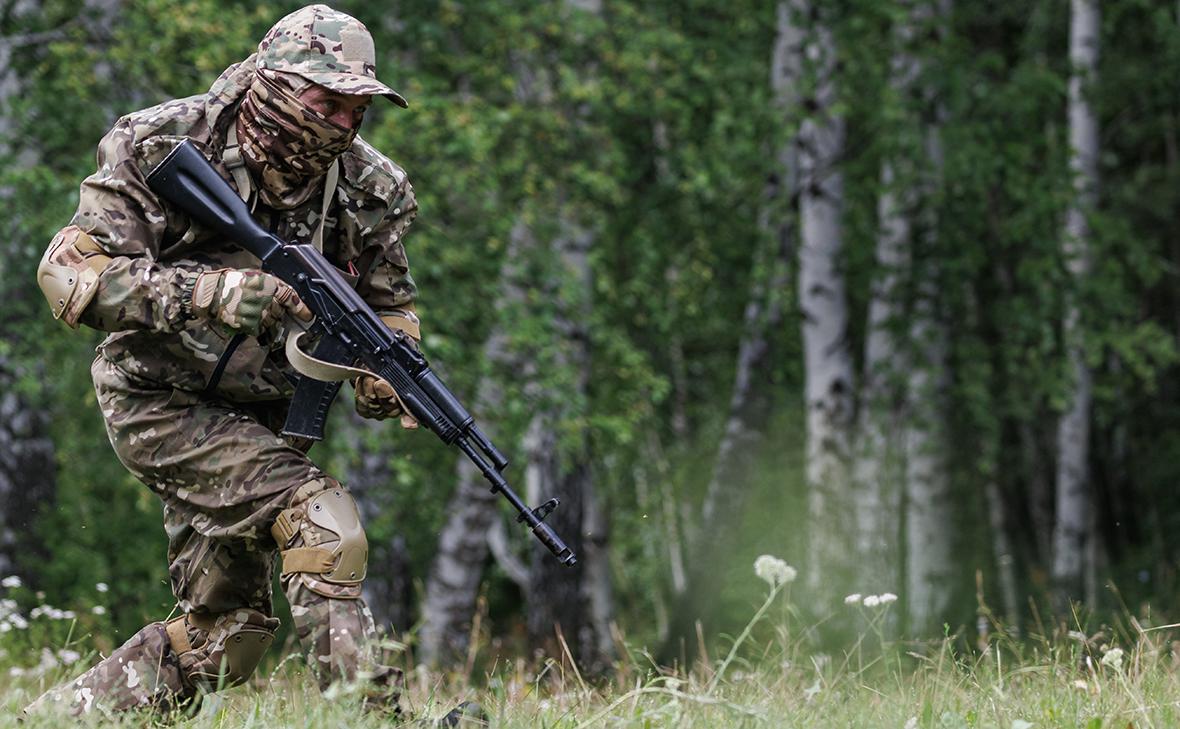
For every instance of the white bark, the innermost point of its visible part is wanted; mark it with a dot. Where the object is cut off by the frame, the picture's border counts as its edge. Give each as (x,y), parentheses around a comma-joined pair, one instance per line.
(828,373)
(453,583)
(878,461)
(1072,532)
(929,516)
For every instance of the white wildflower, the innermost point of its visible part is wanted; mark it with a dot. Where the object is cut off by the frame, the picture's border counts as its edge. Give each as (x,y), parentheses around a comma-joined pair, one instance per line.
(1021,724)
(102,587)
(12,581)
(1113,659)
(911,723)
(775,571)
(48,661)
(98,610)
(853,599)
(16,671)
(872,601)
(66,615)
(5,626)
(68,656)
(18,621)
(887,598)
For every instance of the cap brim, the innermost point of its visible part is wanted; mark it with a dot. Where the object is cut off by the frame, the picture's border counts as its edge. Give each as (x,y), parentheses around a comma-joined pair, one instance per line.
(351,83)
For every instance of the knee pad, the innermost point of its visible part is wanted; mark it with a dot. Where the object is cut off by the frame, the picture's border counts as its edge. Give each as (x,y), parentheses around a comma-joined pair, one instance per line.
(321,536)
(219,651)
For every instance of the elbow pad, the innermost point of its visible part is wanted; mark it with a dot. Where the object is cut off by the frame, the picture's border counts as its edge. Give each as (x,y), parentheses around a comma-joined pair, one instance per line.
(69,271)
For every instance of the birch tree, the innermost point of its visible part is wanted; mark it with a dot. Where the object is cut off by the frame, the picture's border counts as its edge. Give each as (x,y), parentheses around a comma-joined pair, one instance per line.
(452,585)
(828,371)
(929,516)
(552,258)
(748,411)
(1073,531)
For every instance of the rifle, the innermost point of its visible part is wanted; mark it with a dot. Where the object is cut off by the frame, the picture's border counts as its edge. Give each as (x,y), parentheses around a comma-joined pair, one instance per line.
(346,331)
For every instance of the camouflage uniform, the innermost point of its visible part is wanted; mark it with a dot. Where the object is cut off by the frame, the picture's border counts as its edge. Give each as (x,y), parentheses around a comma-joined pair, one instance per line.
(194,411)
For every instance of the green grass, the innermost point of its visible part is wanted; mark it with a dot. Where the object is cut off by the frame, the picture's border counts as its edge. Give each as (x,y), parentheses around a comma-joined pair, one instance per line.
(767,677)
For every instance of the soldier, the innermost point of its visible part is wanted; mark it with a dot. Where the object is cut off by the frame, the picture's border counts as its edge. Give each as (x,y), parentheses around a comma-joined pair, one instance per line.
(192,381)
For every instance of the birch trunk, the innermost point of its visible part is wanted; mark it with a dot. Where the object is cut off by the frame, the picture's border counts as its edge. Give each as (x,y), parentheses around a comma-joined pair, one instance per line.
(878,465)
(828,371)
(455,574)
(745,431)
(746,422)
(929,513)
(555,599)
(1072,533)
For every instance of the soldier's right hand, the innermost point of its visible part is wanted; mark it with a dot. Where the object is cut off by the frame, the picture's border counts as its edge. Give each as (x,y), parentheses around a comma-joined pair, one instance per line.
(244,302)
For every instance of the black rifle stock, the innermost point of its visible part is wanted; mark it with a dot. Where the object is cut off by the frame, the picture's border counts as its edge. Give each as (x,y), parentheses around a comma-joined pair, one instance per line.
(347,330)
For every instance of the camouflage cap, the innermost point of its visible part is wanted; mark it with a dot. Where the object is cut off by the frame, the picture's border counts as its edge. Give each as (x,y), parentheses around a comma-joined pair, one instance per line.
(326,47)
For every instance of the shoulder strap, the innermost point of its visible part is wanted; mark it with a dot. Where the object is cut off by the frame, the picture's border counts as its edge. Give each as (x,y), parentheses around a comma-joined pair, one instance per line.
(330,181)
(237,166)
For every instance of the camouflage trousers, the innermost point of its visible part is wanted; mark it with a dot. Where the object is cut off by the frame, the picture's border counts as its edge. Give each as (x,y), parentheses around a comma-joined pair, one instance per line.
(223,475)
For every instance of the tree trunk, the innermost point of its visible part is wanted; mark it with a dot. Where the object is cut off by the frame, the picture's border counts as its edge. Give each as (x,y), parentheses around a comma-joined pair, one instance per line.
(929,516)
(828,372)
(453,583)
(555,597)
(878,465)
(1072,534)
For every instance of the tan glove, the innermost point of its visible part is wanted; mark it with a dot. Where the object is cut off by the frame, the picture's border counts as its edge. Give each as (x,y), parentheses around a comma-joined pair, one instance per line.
(376,399)
(244,302)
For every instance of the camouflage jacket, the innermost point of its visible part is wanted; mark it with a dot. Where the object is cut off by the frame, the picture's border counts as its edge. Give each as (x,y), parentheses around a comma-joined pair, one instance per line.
(155,247)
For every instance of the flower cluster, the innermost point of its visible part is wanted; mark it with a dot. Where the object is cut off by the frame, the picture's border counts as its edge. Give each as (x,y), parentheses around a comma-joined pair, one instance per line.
(775,571)
(52,613)
(10,617)
(1113,658)
(49,661)
(870,600)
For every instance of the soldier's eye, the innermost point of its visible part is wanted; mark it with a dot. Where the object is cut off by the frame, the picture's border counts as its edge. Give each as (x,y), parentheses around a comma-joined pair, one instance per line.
(329,107)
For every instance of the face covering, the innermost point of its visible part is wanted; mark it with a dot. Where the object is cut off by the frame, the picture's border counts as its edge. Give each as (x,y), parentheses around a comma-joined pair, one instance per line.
(289,144)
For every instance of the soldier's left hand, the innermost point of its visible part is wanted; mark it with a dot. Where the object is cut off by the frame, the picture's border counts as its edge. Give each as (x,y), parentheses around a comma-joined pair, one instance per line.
(376,399)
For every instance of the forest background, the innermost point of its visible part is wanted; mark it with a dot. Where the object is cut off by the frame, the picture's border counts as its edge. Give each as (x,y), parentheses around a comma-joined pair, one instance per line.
(885,288)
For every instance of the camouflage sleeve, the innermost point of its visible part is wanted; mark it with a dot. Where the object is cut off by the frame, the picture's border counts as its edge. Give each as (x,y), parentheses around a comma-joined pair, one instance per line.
(126,220)
(389,288)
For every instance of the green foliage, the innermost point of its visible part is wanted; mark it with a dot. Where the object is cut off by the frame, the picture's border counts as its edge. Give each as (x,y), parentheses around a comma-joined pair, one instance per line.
(651,128)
